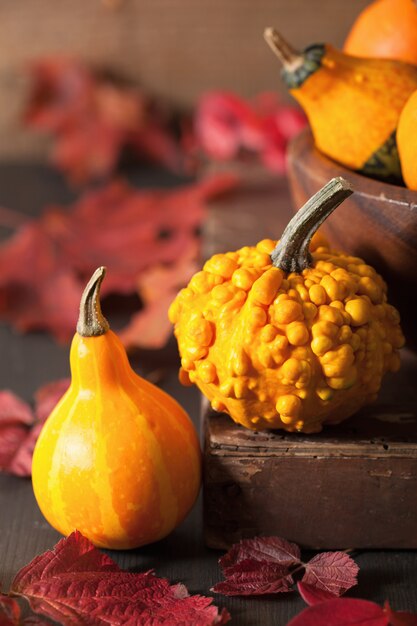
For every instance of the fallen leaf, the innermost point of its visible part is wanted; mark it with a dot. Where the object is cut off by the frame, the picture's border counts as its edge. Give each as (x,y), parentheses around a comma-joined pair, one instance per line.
(399,618)
(92,118)
(227,127)
(45,265)
(335,572)
(15,419)
(254,578)
(265,565)
(9,611)
(20,428)
(341,612)
(10,614)
(77,585)
(313,595)
(268,549)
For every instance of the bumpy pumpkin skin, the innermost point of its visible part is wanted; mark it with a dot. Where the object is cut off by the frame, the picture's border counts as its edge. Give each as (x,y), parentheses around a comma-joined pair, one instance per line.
(118,459)
(285,351)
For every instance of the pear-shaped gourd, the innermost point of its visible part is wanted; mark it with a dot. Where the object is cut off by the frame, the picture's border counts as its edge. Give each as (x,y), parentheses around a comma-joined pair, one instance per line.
(353,104)
(118,459)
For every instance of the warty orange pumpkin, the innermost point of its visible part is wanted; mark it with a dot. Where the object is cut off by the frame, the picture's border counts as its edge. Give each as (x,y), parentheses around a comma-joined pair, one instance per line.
(118,459)
(280,336)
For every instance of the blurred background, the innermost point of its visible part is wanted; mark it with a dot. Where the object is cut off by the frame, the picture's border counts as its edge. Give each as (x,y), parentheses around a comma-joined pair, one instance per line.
(175,49)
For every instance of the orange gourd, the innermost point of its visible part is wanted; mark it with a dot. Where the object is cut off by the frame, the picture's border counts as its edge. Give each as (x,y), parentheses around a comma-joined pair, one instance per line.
(118,459)
(407,142)
(353,105)
(278,336)
(385,29)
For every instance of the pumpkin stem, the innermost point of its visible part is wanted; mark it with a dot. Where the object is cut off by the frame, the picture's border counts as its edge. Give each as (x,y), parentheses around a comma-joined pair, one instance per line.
(91,321)
(291,254)
(290,58)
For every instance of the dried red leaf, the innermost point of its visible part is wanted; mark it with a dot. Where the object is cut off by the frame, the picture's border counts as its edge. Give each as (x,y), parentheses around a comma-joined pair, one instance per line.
(75,584)
(10,614)
(314,595)
(342,612)
(92,119)
(335,572)
(15,418)
(258,566)
(9,611)
(265,549)
(17,440)
(400,618)
(266,564)
(227,126)
(254,578)
(44,266)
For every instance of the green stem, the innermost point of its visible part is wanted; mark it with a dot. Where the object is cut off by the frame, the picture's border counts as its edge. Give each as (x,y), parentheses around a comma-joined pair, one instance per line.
(91,321)
(292,252)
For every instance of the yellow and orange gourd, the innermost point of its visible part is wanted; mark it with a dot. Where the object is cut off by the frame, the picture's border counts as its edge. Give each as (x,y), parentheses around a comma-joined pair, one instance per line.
(278,336)
(353,104)
(118,459)
(407,142)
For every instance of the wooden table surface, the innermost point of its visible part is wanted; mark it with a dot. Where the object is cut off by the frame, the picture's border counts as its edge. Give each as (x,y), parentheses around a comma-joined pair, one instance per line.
(31,360)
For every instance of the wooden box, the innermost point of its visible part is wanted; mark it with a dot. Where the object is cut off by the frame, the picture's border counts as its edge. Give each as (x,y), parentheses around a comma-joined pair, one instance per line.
(351,486)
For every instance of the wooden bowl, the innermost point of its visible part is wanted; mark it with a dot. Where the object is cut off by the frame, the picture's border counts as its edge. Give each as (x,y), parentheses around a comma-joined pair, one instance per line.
(377,223)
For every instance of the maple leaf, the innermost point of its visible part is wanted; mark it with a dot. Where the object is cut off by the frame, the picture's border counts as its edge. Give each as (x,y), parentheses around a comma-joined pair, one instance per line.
(20,427)
(92,119)
(45,265)
(266,565)
(78,585)
(335,572)
(227,126)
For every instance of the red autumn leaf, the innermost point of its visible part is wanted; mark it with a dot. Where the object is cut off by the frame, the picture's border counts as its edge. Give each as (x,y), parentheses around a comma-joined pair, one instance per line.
(9,611)
(227,126)
(258,566)
(314,595)
(92,119)
(15,418)
(10,614)
(44,266)
(266,549)
(19,430)
(77,585)
(400,618)
(341,612)
(335,572)
(254,578)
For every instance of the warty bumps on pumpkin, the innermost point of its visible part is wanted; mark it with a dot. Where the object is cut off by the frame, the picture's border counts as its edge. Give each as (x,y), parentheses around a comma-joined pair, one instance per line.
(278,336)
(118,459)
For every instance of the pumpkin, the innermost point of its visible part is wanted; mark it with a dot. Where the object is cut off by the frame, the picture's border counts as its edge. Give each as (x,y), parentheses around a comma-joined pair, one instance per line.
(280,336)
(118,459)
(407,141)
(385,29)
(353,105)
